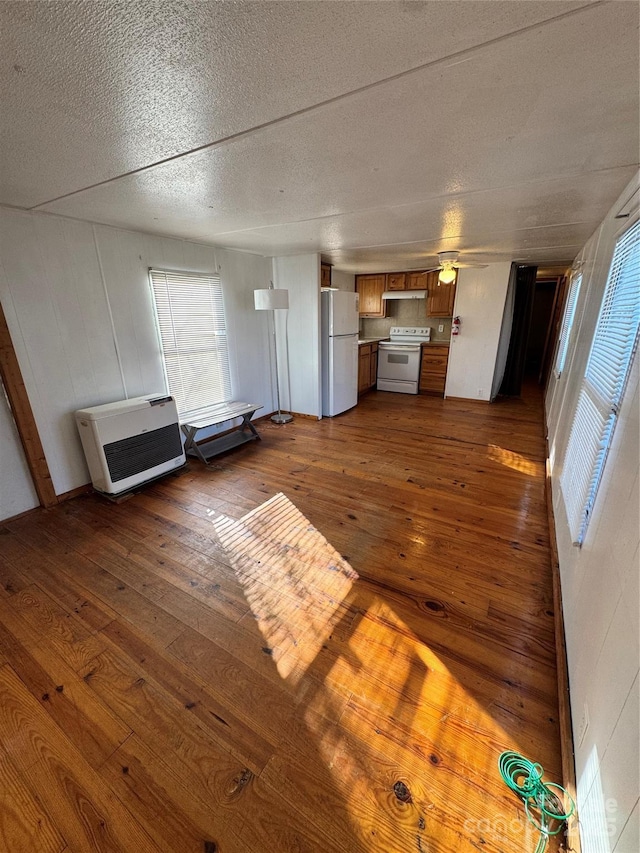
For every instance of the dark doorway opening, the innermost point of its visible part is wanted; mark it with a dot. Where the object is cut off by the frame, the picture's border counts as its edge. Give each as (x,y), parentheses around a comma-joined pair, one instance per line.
(535,317)
(522,311)
(543,302)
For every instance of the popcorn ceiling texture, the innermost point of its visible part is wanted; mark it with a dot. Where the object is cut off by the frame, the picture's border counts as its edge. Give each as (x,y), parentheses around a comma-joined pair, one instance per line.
(284,128)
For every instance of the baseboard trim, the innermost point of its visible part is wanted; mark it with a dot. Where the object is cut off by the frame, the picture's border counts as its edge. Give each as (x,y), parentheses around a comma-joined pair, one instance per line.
(295,415)
(562,669)
(75,493)
(65,496)
(20,515)
(467,400)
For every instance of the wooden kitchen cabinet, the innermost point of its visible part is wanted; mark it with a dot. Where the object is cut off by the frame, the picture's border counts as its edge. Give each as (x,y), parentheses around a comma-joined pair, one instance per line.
(367,367)
(374,366)
(433,369)
(417,280)
(371,288)
(325,275)
(396,280)
(441,297)
(364,368)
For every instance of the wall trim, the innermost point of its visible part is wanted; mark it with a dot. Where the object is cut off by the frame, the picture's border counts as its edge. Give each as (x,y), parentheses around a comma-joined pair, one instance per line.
(11,377)
(562,669)
(75,493)
(466,399)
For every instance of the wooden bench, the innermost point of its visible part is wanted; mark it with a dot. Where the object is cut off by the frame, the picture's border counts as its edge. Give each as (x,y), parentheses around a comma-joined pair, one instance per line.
(213,416)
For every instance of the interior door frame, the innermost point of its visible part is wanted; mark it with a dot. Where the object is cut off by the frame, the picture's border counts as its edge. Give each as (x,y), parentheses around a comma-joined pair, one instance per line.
(15,389)
(553,327)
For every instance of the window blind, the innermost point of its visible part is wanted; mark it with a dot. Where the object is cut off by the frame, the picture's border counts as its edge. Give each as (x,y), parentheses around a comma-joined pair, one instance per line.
(193,335)
(614,343)
(567,321)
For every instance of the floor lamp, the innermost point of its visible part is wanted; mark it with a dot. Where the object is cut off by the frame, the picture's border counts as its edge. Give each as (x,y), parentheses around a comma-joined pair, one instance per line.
(272,299)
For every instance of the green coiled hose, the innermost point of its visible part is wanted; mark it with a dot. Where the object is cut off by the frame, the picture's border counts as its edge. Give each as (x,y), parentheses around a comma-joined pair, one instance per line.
(524,777)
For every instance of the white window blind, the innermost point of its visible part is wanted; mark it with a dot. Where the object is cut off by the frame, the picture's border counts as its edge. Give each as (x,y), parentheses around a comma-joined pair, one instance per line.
(567,321)
(193,335)
(612,350)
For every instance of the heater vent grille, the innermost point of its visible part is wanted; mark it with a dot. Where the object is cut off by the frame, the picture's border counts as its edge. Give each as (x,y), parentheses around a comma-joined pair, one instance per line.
(138,453)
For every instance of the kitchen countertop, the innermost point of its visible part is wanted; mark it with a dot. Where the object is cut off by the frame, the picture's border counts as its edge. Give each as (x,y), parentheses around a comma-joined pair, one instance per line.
(444,343)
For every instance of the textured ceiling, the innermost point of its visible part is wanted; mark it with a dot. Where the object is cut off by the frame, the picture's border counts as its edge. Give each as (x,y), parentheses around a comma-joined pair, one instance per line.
(377,133)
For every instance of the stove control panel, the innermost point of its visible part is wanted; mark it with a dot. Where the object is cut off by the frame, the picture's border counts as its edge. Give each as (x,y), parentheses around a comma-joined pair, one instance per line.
(423,333)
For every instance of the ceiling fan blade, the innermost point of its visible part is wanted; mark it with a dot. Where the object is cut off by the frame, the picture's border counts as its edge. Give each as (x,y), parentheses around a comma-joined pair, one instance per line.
(472,266)
(435,269)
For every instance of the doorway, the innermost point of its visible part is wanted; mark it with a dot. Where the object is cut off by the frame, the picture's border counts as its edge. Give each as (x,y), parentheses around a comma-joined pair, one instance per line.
(544,297)
(531,327)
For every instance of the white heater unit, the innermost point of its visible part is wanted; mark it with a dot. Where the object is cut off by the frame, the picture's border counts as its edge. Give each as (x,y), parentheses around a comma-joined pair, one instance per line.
(130,442)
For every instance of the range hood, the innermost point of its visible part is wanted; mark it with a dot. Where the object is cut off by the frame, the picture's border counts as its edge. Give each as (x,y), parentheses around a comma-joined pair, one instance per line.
(404,294)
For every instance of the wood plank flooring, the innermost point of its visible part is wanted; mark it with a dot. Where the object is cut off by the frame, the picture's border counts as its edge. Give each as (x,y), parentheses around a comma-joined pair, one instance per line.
(166,689)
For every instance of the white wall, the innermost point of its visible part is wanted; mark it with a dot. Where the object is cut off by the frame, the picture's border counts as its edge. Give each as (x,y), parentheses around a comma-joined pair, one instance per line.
(300,275)
(480,297)
(16,487)
(80,313)
(343,280)
(600,586)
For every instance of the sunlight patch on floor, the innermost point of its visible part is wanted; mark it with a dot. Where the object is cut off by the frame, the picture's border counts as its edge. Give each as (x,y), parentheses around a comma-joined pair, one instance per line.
(295,582)
(410,723)
(515,461)
(400,729)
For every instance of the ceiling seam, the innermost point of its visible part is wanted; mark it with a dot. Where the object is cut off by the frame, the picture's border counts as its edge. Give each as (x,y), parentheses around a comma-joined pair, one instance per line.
(432,198)
(234,137)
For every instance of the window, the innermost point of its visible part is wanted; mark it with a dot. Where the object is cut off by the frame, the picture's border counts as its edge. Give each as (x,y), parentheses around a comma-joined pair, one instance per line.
(603,384)
(193,335)
(567,321)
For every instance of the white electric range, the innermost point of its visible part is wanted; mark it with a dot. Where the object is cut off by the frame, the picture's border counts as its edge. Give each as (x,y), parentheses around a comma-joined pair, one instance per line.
(399,359)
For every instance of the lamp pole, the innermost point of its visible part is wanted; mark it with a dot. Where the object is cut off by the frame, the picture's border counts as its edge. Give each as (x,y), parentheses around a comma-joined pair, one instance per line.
(272,299)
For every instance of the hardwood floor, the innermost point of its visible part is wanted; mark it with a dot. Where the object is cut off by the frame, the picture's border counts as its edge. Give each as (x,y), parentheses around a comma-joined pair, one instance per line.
(179,674)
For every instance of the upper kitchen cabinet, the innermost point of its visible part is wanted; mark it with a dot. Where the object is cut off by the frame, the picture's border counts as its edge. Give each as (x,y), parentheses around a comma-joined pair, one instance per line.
(371,288)
(417,280)
(325,275)
(441,297)
(396,280)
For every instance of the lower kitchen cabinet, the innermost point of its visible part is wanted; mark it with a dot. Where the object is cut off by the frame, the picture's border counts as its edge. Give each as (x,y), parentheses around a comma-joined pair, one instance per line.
(433,369)
(374,365)
(367,366)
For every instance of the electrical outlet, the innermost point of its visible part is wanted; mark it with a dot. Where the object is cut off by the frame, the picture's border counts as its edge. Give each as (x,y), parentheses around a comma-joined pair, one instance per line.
(441,327)
(583,725)
(480,392)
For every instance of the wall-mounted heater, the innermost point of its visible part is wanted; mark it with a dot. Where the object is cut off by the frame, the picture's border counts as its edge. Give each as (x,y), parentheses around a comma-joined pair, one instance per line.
(130,442)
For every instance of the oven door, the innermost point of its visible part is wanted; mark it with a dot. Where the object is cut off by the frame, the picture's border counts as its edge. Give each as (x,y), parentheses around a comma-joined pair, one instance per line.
(399,361)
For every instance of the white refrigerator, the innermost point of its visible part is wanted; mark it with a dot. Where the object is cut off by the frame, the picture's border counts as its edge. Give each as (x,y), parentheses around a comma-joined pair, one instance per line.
(339,351)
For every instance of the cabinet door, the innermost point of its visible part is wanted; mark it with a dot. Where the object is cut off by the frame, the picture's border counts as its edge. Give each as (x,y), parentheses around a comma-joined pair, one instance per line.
(417,281)
(371,288)
(441,297)
(396,280)
(433,369)
(364,367)
(325,275)
(374,365)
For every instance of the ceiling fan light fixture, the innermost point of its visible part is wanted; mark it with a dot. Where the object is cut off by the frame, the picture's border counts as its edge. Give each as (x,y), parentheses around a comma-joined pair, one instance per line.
(447,275)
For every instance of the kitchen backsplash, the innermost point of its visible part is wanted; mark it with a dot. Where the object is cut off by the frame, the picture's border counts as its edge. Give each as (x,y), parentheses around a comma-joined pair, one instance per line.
(405,312)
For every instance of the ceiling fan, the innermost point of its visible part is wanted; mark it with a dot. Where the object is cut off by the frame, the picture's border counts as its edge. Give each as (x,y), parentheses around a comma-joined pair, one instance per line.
(448,264)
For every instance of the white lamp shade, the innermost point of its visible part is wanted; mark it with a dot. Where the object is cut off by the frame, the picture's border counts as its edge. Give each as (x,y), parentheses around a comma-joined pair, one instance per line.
(270,299)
